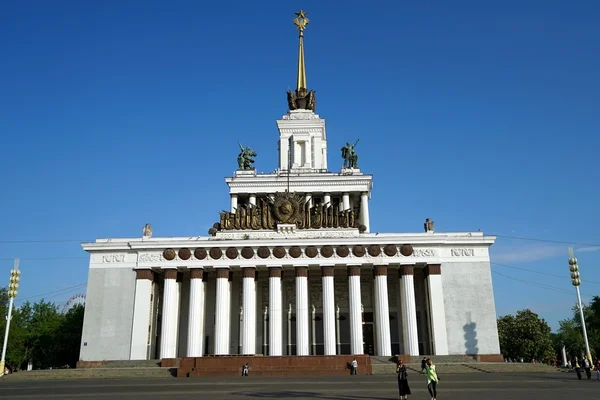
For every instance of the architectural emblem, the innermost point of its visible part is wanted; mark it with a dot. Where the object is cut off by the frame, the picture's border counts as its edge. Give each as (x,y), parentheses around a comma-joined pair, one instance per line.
(113,258)
(246,158)
(151,257)
(286,208)
(462,252)
(350,156)
(424,253)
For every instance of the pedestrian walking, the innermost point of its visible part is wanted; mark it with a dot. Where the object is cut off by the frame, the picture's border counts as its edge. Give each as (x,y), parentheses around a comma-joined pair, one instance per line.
(587,365)
(354,366)
(423,364)
(403,387)
(432,378)
(576,367)
(245,369)
(598,370)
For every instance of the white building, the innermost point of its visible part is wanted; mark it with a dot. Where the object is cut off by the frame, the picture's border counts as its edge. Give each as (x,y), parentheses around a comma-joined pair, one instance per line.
(293,269)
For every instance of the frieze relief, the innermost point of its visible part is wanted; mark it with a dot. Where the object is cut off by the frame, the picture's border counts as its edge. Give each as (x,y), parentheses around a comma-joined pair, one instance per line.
(424,253)
(151,257)
(113,258)
(462,252)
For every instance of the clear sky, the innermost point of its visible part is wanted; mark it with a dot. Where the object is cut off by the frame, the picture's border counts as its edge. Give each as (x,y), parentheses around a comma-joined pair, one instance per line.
(479,115)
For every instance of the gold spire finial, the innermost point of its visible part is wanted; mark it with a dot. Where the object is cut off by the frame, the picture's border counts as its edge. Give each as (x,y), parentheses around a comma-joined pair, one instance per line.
(301,21)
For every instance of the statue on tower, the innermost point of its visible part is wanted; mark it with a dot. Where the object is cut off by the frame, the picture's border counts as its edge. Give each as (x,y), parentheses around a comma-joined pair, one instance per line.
(350,156)
(246,158)
(302,99)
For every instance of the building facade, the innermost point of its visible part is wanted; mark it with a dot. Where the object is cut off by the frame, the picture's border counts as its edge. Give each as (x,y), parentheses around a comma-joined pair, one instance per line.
(291,269)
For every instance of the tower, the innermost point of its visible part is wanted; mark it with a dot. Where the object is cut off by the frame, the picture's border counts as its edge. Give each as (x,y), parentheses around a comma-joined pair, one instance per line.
(326,199)
(302,138)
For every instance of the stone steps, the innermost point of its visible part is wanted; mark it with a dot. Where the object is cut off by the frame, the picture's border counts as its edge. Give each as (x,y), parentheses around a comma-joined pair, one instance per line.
(86,373)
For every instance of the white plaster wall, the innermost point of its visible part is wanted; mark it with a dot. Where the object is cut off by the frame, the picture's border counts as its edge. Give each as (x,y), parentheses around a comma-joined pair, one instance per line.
(470,308)
(108,318)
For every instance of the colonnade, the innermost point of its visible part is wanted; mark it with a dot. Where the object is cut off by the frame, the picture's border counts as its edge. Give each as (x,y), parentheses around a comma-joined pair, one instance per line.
(222,322)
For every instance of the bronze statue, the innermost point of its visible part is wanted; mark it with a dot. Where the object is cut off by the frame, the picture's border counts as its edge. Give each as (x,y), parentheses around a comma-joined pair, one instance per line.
(428,225)
(245,158)
(302,100)
(350,156)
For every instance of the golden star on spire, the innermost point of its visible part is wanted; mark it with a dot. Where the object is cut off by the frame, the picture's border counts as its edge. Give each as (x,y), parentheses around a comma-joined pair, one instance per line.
(301,21)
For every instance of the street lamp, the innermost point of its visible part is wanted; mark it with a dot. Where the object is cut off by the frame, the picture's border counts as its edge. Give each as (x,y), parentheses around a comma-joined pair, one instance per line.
(13,286)
(576,281)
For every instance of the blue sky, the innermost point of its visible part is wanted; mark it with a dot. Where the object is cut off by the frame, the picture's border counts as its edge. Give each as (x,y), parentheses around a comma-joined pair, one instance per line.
(480,115)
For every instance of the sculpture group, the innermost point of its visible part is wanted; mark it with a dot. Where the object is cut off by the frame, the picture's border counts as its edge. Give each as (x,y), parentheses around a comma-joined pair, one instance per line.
(350,156)
(245,158)
(286,208)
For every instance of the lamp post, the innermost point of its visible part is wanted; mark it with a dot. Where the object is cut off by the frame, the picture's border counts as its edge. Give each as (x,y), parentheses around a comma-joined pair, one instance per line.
(576,281)
(13,285)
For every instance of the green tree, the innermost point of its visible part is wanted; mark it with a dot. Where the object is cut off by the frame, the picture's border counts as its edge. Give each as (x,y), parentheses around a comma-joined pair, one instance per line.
(525,335)
(570,335)
(44,329)
(69,336)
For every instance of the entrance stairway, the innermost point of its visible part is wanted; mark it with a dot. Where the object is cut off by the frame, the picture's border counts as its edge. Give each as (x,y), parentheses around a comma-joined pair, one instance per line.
(456,364)
(107,369)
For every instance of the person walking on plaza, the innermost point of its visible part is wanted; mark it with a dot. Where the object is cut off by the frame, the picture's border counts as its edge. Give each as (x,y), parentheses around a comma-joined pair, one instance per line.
(354,365)
(403,387)
(598,369)
(576,367)
(587,365)
(245,369)
(423,364)
(432,378)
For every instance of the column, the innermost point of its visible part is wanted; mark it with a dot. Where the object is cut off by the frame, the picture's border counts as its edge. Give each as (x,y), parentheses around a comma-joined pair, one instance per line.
(354,300)
(302,327)
(382,309)
(436,310)
(327,199)
(252,199)
(141,314)
(346,201)
(222,312)
(249,304)
(170,315)
(234,199)
(308,199)
(409,310)
(195,343)
(275,322)
(328,311)
(364,210)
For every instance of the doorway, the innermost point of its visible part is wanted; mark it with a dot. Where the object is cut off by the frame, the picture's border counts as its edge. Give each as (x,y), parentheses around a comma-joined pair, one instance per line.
(368,339)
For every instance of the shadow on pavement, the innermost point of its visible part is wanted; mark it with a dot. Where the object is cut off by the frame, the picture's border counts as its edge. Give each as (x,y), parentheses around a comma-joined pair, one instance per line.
(312,395)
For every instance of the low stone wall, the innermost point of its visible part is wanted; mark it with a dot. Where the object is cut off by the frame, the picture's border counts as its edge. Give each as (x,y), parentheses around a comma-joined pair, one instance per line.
(90,364)
(268,366)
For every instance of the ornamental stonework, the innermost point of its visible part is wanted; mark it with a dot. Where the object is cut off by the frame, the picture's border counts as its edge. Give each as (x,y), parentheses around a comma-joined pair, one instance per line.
(263,252)
(169,254)
(247,252)
(216,253)
(358,251)
(279,252)
(185,254)
(342,251)
(295,251)
(390,250)
(231,253)
(311,251)
(326,251)
(200,254)
(406,250)
(374,250)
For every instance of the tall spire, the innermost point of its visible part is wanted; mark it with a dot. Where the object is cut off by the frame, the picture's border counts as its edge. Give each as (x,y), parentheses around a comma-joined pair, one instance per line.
(301,21)
(303,99)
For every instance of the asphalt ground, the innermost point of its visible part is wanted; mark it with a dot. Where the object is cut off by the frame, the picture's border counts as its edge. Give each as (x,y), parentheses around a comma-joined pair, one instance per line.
(374,387)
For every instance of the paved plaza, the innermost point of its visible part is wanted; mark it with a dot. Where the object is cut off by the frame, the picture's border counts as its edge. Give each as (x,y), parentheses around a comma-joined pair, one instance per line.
(457,387)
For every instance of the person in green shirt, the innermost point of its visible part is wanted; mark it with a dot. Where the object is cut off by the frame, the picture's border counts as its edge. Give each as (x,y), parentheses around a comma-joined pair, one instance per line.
(432,378)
